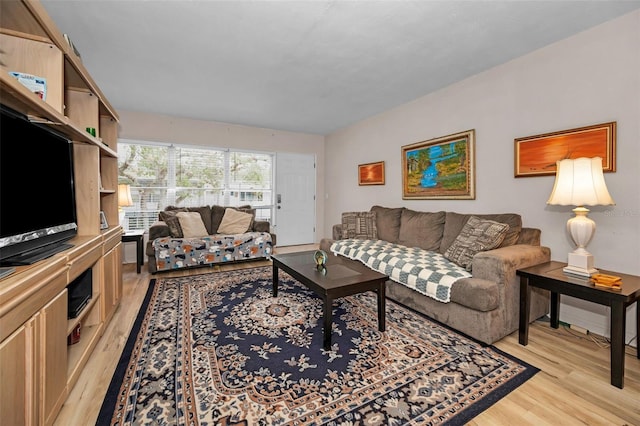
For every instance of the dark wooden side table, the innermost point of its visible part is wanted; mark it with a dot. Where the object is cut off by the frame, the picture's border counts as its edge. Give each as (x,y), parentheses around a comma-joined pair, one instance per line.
(550,276)
(136,236)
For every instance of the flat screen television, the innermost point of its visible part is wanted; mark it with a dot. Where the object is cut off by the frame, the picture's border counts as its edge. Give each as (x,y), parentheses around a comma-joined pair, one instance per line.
(37,194)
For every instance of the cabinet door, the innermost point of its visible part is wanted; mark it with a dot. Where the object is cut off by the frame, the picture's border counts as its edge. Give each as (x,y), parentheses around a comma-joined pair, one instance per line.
(53,347)
(112,281)
(17,378)
(117,263)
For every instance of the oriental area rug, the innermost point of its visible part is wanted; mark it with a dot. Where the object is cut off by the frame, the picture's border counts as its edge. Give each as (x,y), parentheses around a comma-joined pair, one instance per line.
(219,349)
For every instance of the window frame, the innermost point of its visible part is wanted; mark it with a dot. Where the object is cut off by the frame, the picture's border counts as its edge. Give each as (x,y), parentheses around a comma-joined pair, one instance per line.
(141,216)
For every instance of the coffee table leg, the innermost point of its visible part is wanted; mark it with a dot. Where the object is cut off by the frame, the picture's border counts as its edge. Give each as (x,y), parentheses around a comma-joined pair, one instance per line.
(382,325)
(328,321)
(275,280)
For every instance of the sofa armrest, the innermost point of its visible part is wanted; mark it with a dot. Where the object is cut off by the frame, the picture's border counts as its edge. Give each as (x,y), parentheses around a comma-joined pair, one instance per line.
(158,229)
(337,232)
(500,265)
(261,226)
(325,244)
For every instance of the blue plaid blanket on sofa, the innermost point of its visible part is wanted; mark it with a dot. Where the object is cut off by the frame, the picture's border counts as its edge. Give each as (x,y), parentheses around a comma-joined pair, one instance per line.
(425,271)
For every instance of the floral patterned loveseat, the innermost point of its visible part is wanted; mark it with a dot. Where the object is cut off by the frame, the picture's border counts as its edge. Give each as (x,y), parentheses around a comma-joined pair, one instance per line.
(202,236)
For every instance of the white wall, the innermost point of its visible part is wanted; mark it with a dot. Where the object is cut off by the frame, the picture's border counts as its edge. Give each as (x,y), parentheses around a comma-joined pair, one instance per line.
(590,78)
(161,128)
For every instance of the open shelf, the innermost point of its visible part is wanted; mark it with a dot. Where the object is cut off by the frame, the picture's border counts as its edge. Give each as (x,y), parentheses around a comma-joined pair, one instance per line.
(77,354)
(71,323)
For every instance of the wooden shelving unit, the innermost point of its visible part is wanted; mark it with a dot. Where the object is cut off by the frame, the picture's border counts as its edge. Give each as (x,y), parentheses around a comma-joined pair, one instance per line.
(37,367)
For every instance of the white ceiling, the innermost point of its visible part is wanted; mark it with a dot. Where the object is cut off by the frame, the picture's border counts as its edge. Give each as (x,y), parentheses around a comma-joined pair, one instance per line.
(306,66)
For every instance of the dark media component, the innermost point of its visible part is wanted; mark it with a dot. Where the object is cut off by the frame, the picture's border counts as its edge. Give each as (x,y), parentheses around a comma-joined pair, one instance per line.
(79,293)
(37,194)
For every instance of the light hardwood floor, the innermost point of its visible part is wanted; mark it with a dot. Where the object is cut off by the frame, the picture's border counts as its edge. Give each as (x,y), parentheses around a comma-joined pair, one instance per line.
(572,387)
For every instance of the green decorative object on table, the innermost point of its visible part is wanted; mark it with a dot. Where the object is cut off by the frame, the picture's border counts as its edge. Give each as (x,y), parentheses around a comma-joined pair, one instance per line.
(320,258)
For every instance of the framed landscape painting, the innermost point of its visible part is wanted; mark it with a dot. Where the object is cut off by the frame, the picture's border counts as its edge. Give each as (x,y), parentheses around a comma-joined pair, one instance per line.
(371,173)
(441,168)
(537,155)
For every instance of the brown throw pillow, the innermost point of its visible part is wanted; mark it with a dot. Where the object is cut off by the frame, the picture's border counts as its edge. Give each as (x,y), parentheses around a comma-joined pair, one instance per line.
(217,213)
(477,235)
(361,225)
(169,217)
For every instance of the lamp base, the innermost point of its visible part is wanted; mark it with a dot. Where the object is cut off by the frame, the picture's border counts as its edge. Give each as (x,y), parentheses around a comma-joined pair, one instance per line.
(580,264)
(121,214)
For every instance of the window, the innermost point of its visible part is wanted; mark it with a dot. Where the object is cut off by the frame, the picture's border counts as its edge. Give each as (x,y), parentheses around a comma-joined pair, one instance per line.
(186,176)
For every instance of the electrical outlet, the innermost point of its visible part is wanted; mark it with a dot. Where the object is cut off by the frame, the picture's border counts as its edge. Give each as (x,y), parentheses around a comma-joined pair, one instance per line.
(579,329)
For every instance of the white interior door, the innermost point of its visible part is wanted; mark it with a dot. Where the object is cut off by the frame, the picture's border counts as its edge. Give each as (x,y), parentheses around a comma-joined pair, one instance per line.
(295,217)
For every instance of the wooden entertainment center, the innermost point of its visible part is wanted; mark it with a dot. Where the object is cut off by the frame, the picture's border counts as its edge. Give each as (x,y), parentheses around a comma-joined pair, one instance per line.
(37,366)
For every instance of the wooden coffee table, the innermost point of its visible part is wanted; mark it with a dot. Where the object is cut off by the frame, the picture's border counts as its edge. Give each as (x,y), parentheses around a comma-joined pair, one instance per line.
(343,277)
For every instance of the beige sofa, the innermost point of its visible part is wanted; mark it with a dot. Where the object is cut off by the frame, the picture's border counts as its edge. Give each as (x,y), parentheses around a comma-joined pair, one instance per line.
(483,306)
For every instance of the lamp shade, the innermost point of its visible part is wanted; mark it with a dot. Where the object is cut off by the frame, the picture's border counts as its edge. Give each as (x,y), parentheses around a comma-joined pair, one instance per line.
(124,195)
(580,182)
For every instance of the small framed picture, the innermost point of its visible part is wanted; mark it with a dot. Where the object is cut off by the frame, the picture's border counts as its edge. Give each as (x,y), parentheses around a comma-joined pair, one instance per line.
(371,173)
(103,221)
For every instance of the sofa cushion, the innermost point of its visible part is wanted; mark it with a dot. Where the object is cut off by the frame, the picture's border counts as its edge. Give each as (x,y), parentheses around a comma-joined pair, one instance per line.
(217,213)
(205,215)
(249,210)
(361,225)
(171,220)
(421,229)
(454,222)
(477,235)
(388,222)
(191,224)
(235,222)
(204,211)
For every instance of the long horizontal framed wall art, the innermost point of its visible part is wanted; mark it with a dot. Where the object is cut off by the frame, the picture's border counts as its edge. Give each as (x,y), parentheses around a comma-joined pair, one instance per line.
(537,155)
(440,168)
(371,173)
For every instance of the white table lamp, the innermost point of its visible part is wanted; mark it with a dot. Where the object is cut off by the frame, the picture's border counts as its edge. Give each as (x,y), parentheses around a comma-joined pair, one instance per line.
(580,182)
